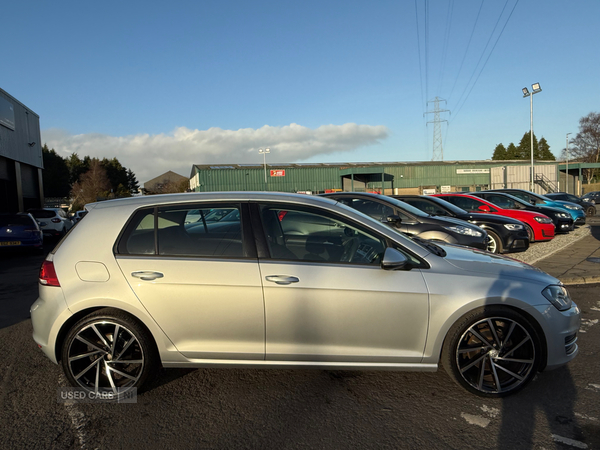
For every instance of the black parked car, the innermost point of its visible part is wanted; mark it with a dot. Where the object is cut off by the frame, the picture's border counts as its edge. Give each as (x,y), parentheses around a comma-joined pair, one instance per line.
(592,197)
(413,221)
(505,234)
(588,207)
(563,222)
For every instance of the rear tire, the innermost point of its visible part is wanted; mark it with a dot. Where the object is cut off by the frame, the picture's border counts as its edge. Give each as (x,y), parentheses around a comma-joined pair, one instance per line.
(109,351)
(492,352)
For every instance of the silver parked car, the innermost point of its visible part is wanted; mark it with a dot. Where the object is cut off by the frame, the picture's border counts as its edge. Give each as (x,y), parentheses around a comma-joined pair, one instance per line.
(290,281)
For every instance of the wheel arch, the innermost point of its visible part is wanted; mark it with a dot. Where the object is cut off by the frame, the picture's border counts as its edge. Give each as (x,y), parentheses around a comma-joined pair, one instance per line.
(68,324)
(439,346)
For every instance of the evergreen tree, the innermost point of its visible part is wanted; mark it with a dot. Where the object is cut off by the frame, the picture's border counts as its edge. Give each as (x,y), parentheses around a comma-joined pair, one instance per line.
(499,153)
(525,147)
(512,152)
(132,182)
(55,174)
(544,151)
(77,167)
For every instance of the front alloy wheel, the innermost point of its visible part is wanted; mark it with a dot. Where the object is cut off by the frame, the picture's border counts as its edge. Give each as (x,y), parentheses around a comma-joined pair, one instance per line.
(107,353)
(493,353)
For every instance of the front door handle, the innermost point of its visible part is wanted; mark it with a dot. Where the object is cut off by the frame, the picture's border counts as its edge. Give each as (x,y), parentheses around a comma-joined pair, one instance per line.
(282,279)
(147,275)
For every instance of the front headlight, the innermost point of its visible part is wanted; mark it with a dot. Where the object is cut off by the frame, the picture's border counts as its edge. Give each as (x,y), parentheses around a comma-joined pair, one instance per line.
(467,231)
(563,215)
(513,226)
(573,207)
(543,219)
(558,296)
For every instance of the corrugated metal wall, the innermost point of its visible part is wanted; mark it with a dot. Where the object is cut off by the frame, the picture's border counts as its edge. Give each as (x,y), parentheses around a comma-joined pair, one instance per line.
(468,176)
(14,144)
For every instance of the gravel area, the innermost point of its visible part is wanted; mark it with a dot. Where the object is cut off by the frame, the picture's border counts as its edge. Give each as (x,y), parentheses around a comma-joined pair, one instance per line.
(541,250)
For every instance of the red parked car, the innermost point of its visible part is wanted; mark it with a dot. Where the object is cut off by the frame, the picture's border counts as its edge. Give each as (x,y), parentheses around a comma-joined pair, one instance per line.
(539,227)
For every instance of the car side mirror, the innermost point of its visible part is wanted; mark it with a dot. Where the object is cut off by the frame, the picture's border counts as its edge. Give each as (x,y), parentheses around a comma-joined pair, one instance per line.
(484,208)
(393,220)
(394,260)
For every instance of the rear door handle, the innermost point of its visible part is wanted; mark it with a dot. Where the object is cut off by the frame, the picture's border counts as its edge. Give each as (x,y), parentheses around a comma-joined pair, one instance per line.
(147,275)
(282,279)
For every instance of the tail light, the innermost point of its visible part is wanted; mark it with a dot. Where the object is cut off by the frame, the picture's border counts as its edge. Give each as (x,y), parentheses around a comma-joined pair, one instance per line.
(48,274)
(55,220)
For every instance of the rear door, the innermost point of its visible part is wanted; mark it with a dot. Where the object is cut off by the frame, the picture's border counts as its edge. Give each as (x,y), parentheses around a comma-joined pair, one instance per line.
(200,281)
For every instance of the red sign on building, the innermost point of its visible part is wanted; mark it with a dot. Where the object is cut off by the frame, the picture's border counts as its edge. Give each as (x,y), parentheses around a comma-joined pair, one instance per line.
(278,173)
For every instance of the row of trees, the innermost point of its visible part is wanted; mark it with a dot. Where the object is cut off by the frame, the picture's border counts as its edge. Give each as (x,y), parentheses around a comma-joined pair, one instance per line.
(85,180)
(585,146)
(541,150)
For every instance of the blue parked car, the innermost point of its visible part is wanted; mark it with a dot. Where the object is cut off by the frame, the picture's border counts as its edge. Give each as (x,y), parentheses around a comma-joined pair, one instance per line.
(576,211)
(20,230)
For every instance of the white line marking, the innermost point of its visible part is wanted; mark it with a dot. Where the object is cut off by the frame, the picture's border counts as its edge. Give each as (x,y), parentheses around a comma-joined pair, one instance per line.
(77,417)
(586,417)
(492,412)
(476,420)
(593,387)
(567,441)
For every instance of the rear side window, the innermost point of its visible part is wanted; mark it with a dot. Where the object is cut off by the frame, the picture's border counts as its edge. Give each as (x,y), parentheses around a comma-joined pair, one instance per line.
(185,231)
(14,220)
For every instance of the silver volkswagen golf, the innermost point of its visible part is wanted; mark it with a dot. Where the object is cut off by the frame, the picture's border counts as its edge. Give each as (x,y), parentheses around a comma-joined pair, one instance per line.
(284,280)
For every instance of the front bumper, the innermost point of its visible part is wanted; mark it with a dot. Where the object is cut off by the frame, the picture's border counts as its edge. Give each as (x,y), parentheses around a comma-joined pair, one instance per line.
(560,329)
(516,242)
(564,225)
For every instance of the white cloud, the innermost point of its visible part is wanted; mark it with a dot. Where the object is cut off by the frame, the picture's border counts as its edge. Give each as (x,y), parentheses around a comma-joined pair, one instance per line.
(151,155)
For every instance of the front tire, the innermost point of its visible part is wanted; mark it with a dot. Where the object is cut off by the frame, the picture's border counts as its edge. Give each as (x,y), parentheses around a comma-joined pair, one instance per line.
(492,352)
(108,351)
(494,243)
(590,211)
(530,233)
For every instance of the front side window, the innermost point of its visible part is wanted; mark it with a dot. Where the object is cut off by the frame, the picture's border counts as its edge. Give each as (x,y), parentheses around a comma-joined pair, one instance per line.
(502,201)
(184,231)
(307,234)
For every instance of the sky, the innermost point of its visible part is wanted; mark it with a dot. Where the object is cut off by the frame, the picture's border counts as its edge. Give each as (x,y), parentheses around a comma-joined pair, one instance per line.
(165,85)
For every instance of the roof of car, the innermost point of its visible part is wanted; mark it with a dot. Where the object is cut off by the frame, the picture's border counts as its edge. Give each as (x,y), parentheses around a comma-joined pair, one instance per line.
(191,197)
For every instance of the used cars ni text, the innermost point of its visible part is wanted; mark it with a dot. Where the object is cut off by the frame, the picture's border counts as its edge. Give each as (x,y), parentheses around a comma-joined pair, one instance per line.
(296,281)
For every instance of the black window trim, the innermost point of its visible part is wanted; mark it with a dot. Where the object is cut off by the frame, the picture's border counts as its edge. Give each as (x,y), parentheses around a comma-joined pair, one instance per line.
(263,248)
(248,243)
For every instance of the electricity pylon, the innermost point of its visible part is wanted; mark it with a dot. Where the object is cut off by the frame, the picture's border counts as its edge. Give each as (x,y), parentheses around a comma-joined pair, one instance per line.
(438,149)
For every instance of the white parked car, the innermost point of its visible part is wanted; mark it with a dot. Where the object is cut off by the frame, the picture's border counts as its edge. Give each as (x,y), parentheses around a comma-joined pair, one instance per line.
(52,221)
(293,281)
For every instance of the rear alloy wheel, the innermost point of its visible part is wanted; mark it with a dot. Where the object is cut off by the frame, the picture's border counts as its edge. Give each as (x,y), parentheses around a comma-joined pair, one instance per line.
(494,242)
(108,351)
(492,352)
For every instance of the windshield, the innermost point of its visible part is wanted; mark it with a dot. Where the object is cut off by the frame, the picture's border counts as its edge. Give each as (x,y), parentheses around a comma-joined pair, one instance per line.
(447,205)
(406,207)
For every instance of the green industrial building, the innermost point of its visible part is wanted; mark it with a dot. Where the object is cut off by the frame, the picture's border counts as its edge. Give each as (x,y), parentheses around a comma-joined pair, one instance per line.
(387,178)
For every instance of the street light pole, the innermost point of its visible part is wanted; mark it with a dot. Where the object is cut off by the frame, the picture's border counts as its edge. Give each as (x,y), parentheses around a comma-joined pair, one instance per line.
(567,153)
(264,153)
(535,87)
